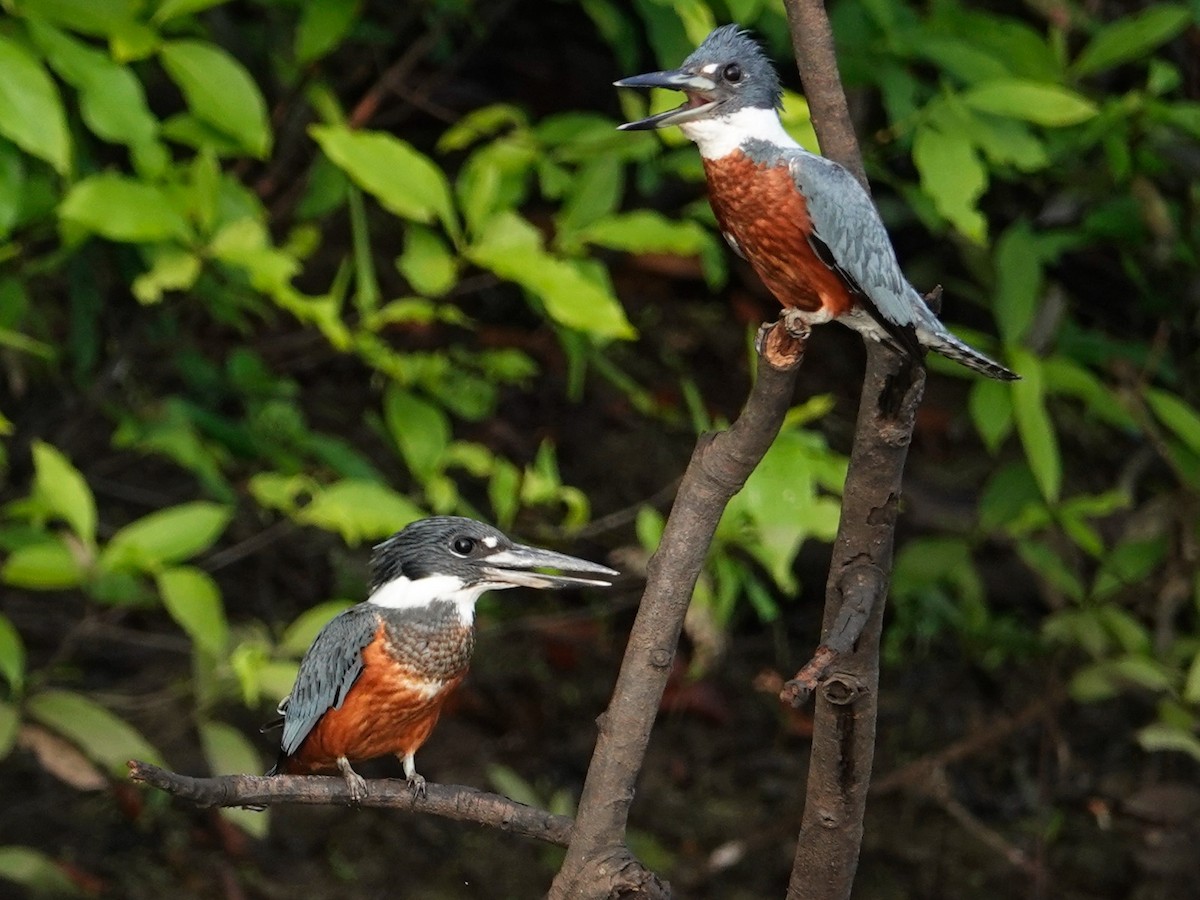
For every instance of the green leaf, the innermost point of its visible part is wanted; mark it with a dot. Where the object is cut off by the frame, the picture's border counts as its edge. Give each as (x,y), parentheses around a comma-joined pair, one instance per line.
(511,785)
(1094,683)
(511,248)
(60,487)
(171,9)
(1132,38)
(990,404)
(35,871)
(220,92)
(953,177)
(1159,736)
(427,262)
(12,182)
(1030,101)
(299,636)
(171,269)
(1047,563)
(420,429)
(1191,687)
(102,736)
(504,491)
(359,510)
(229,753)
(122,209)
(12,656)
(1065,377)
(1128,564)
(194,602)
(1144,672)
(646,231)
(45,566)
(1034,425)
(166,536)
(1177,415)
(322,27)
(1018,268)
(781,501)
(84,16)
(10,724)
(31,111)
(595,192)
(111,99)
(403,180)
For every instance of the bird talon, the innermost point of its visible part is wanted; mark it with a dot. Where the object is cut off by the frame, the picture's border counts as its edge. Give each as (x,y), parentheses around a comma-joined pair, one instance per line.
(355,782)
(796,324)
(760,339)
(416,783)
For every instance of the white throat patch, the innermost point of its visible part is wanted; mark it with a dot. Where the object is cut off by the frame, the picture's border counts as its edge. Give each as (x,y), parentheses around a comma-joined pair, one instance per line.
(404,593)
(721,135)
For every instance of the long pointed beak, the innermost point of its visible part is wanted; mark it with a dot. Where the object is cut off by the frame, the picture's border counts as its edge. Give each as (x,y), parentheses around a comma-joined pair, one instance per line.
(515,566)
(698,88)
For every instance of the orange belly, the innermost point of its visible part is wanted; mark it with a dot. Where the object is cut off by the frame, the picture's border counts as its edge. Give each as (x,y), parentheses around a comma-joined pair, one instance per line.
(390,709)
(760,207)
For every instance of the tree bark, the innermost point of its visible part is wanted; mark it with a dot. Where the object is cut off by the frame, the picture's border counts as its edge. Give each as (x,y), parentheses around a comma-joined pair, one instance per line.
(598,863)
(845,670)
(450,801)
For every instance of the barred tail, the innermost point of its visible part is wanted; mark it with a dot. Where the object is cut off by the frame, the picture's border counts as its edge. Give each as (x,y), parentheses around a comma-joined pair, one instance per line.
(949,346)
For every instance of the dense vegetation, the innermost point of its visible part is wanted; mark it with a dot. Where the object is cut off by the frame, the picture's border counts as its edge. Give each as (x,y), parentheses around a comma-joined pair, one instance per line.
(279,277)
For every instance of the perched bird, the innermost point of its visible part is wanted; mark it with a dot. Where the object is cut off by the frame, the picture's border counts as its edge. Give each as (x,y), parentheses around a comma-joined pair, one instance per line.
(803,222)
(376,677)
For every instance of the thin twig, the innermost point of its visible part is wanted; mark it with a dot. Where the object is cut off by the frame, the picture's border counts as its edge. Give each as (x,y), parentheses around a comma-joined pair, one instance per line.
(450,801)
(937,788)
(999,730)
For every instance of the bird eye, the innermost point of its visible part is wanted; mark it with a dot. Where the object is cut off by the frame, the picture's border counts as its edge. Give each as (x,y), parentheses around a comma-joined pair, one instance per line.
(732,73)
(462,545)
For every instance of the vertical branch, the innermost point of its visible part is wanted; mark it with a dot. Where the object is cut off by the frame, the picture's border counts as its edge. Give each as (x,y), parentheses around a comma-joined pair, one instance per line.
(597,863)
(812,41)
(860,571)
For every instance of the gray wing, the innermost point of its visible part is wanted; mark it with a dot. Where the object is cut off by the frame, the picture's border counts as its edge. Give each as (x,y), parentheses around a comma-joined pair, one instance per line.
(856,243)
(327,672)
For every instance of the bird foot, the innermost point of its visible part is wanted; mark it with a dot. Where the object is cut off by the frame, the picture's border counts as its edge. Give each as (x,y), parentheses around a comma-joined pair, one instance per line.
(782,343)
(355,782)
(796,323)
(416,784)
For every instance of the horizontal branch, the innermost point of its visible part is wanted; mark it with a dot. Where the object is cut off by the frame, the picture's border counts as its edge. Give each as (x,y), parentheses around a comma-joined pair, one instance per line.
(450,801)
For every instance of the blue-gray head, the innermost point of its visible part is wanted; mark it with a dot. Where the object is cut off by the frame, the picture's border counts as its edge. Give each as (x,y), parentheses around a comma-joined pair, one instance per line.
(727,73)
(464,555)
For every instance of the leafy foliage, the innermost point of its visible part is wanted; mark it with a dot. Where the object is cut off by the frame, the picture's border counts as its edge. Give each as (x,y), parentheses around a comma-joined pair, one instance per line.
(192,226)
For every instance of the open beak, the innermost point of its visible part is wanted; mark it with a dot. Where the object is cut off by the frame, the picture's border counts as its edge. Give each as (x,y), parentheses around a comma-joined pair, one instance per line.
(515,565)
(700,91)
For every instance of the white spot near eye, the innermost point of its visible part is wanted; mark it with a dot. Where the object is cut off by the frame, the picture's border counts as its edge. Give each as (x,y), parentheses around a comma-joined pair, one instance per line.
(490,542)
(709,69)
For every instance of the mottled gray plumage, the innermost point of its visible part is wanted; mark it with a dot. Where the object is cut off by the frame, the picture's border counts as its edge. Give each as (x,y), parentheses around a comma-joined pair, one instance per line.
(759,82)
(432,635)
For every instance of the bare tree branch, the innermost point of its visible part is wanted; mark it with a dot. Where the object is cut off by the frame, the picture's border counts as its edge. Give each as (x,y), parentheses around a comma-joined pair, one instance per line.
(450,801)
(598,864)
(846,666)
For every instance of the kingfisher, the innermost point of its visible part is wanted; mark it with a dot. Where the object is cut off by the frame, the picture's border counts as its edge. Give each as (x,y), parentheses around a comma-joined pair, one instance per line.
(803,222)
(375,679)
